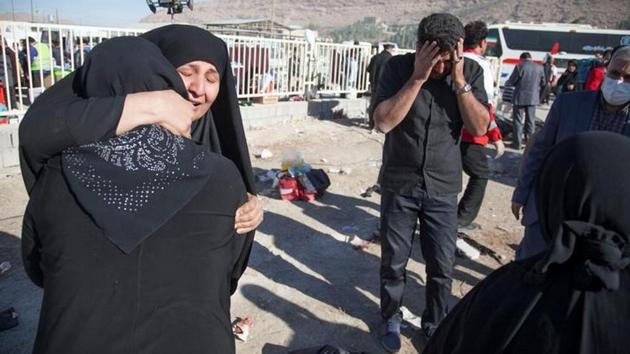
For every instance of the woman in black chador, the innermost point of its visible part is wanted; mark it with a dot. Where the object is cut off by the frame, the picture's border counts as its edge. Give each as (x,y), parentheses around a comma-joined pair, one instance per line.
(133,237)
(573,298)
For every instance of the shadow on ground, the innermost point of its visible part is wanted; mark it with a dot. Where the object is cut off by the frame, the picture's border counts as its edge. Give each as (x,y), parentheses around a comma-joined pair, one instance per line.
(318,261)
(17,291)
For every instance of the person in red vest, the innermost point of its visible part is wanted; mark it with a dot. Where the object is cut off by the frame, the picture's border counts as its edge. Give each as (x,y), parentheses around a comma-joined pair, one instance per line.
(473,148)
(595,76)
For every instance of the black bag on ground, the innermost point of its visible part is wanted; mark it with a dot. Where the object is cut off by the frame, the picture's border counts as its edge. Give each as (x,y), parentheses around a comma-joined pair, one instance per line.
(319,179)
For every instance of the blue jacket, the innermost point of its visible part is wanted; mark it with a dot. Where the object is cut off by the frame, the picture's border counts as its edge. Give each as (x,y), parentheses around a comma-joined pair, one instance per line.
(570,114)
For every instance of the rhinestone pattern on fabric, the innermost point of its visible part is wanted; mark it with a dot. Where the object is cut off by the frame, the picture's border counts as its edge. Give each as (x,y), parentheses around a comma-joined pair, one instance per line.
(150,151)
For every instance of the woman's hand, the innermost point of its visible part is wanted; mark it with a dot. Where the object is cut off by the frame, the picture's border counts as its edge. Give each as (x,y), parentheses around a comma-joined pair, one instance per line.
(249,216)
(165,108)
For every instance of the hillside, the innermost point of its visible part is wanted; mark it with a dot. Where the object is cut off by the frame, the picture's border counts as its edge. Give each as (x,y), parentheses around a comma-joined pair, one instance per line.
(328,14)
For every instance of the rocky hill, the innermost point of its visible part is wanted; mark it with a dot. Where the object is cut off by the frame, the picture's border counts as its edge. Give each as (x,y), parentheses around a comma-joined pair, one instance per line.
(328,14)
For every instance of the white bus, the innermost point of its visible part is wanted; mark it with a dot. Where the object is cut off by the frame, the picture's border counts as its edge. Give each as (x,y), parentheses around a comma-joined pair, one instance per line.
(507,41)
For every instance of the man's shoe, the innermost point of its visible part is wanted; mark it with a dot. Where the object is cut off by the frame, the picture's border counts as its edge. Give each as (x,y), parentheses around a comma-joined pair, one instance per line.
(390,339)
(469,227)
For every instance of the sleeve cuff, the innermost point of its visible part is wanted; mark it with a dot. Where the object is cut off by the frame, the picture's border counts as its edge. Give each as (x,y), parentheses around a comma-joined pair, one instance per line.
(520,196)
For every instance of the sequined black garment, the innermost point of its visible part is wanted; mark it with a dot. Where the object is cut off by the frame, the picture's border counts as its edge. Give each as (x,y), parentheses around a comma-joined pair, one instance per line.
(132,184)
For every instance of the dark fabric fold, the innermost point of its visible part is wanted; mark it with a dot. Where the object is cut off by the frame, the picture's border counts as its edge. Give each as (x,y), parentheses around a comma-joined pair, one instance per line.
(599,255)
(59,119)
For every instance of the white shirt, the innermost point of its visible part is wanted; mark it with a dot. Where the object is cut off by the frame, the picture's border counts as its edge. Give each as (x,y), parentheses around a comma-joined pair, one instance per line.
(488,77)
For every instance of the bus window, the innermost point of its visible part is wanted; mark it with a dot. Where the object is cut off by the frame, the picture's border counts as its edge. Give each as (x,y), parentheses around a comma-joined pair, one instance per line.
(569,42)
(494,44)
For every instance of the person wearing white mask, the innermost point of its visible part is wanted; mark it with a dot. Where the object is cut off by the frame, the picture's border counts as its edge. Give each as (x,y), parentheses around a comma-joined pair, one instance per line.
(572,113)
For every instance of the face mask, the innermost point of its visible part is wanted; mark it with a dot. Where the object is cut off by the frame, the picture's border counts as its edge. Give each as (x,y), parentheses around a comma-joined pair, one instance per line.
(616,92)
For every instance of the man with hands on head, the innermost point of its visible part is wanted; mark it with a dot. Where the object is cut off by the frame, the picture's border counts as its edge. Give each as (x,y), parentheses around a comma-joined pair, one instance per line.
(422,103)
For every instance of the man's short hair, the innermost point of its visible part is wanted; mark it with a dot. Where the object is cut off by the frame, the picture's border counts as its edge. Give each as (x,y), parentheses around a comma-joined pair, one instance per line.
(388,46)
(608,53)
(572,62)
(620,50)
(444,29)
(525,56)
(475,33)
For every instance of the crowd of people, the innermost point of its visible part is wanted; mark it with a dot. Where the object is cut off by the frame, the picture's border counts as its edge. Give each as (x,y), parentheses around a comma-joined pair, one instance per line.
(135,159)
(37,65)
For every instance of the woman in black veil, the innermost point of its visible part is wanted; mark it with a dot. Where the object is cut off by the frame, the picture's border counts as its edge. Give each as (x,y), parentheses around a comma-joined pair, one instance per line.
(573,298)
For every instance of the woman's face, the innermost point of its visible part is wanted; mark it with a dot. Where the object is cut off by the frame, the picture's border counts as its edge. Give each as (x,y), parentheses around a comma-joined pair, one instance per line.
(202,83)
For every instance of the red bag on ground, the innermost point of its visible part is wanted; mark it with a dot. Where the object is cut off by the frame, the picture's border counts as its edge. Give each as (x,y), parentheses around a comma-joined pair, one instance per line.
(289,188)
(307,190)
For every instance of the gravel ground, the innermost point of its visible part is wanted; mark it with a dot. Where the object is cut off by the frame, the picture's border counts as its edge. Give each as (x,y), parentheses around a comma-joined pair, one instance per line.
(307,284)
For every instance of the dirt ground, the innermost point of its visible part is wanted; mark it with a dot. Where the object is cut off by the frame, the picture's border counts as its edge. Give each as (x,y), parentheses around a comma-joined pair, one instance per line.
(306,285)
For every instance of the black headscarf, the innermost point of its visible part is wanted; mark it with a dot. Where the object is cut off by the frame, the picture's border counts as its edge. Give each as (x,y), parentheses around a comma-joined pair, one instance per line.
(583,196)
(574,298)
(132,184)
(222,127)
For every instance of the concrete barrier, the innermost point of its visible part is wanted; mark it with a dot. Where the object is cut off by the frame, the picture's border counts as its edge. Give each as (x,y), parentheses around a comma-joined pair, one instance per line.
(255,116)
(9,145)
(260,115)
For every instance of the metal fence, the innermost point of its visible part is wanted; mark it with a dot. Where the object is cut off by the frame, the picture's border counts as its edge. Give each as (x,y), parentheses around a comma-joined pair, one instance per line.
(266,66)
(35,56)
(341,68)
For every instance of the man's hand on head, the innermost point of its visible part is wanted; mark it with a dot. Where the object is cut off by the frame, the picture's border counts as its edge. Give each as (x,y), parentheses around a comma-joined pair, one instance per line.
(457,61)
(426,58)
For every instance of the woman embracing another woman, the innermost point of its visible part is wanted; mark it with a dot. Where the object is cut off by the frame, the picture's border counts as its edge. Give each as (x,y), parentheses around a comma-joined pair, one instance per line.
(141,213)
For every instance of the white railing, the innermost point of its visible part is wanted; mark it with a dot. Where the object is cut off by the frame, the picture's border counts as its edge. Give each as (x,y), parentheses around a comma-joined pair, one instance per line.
(266,66)
(26,72)
(261,66)
(341,68)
